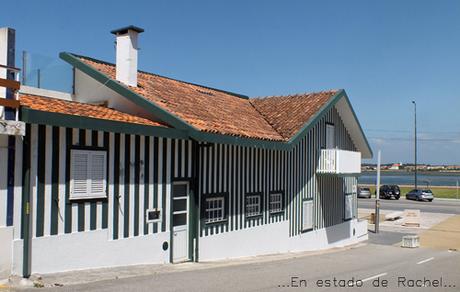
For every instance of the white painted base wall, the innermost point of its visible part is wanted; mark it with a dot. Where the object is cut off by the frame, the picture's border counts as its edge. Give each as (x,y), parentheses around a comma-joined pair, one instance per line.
(6,251)
(87,250)
(274,238)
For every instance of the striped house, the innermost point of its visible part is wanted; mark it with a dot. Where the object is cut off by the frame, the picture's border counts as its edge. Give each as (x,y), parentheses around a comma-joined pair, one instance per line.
(137,168)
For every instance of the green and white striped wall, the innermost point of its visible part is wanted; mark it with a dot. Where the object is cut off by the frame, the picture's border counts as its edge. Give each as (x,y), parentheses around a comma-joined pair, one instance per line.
(238,170)
(139,170)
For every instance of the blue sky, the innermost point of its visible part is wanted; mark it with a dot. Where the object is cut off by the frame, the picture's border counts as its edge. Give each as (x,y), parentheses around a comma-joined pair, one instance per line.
(384,53)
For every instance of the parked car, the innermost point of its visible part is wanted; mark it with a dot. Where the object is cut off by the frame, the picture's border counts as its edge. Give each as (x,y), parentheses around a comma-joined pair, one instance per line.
(420,195)
(389,192)
(364,192)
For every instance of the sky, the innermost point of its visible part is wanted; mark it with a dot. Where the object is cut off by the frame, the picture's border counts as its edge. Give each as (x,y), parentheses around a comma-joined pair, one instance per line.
(383,53)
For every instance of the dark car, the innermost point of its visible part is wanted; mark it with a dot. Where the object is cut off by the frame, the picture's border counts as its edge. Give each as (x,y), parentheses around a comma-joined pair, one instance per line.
(364,192)
(390,192)
(420,195)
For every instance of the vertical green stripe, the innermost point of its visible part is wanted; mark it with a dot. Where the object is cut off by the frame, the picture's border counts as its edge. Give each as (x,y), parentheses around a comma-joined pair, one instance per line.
(194,160)
(127,183)
(41,168)
(25,181)
(147,182)
(116,183)
(68,205)
(179,159)
(163,221)
(137,162)
(55,182)
(155,179)
(201,182)
(187,158)
(218,176)
(171,202)
(25,218)
(227,181)
(105,207)
(93,204)
(81,205)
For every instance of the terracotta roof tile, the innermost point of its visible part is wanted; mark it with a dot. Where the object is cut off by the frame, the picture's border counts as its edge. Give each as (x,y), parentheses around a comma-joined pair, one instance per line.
(207,109)
(287,114)
(276,118)
(82,109)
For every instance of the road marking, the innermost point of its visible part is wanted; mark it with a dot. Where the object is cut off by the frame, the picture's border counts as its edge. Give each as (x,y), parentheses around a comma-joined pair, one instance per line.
(373,277)
(425,261)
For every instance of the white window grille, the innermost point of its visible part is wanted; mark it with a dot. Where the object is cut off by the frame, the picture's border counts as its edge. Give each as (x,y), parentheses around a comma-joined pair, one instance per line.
(276,202)
(215,209)
(88,174)
(253,205)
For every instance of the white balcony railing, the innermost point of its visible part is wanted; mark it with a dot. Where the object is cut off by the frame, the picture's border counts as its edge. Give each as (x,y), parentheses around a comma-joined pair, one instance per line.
(336,161)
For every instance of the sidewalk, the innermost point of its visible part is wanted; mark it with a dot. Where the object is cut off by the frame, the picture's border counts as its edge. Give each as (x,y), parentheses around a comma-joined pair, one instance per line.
(96,275)
(445,235)
(427,220)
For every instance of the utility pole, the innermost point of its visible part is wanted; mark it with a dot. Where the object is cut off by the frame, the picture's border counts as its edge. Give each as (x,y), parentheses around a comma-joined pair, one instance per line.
(377,196)
(415,144)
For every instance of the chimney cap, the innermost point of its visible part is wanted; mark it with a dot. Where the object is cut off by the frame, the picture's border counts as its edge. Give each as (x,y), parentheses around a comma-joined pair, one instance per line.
(125,29)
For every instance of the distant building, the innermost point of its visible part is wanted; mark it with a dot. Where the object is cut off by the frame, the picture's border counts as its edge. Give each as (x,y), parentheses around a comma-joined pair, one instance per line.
(395,166)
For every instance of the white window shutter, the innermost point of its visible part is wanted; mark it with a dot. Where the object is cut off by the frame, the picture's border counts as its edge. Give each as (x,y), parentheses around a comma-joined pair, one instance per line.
(98,173)
(88,174)
(79,173)
(307,214)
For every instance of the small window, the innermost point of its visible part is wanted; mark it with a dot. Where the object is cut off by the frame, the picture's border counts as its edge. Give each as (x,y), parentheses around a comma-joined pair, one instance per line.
(88,174)
(214,209)
(307,214)
(348,206)
(153,215)
(253,205)
(276,202)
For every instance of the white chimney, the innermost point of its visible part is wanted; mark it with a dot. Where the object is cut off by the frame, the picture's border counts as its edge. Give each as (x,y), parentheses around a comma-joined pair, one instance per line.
(126,66)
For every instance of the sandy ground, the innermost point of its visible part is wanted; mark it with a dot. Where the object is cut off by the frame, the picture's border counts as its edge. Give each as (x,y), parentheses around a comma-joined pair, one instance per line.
(445,235)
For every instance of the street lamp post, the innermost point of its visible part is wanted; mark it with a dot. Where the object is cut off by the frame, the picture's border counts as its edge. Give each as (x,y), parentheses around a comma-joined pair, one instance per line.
(415,144)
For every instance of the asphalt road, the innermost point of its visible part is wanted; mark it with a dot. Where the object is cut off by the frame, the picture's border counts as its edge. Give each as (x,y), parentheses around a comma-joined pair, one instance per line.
(366,265)
(436,206)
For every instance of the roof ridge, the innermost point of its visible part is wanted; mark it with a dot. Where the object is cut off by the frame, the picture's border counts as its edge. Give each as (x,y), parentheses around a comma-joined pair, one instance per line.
(297,94)
(170,78)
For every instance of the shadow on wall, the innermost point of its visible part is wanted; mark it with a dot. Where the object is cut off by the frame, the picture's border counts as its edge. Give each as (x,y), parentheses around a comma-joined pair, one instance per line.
(332,208)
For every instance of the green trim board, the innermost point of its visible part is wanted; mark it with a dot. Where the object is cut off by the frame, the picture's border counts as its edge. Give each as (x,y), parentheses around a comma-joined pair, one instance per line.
(359,124)
(70,121)
(193,132)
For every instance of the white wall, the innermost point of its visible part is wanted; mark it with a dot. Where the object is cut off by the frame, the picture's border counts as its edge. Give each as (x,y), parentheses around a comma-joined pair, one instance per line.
(6,238)
(3,178)
(91,91)
(274,238)
(86,250)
